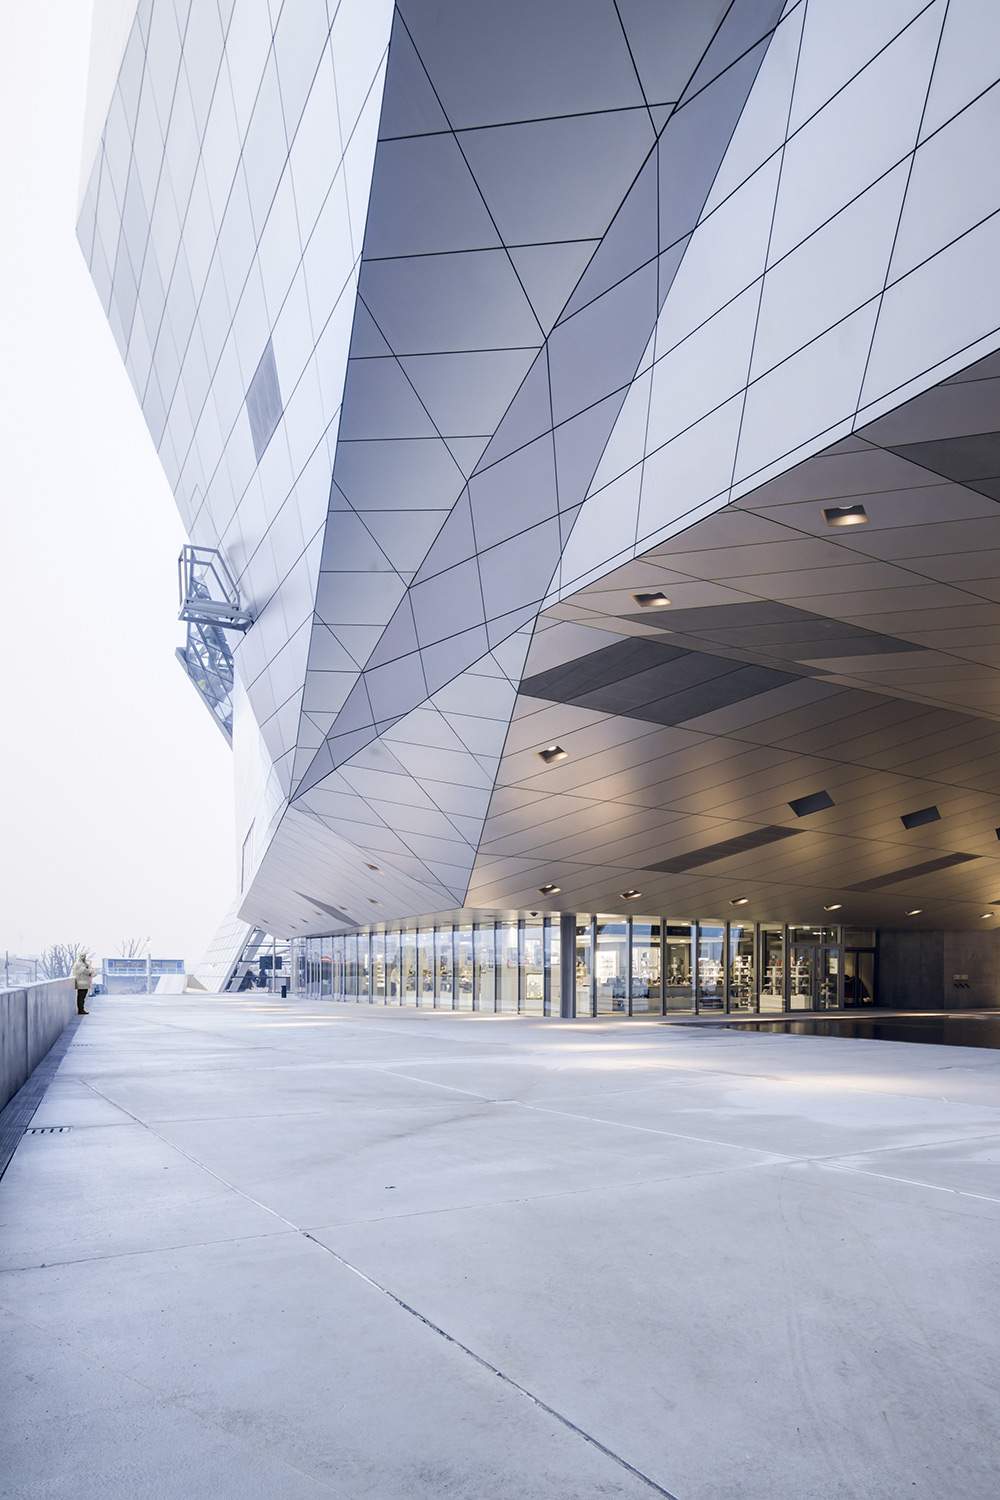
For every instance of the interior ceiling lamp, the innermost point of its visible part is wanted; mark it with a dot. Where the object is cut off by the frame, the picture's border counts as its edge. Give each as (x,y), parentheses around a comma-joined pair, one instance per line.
(740,901)
(985,914)
(915,911)
(552,754)
(845,515)
(630,895)
(548,890)
(834,906)
(656,600)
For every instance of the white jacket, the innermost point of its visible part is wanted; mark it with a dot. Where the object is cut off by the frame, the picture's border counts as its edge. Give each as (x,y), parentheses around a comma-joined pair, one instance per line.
(82,974)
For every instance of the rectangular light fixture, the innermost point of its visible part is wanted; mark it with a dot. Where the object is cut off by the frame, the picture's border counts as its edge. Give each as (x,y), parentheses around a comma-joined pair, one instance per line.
(552,754)
(656,600)
(630,895)
(815,802)
(547,890)
(845,515)
(920,817)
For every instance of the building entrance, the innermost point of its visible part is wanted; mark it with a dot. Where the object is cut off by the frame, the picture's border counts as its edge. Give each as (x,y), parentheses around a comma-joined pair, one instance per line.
(815,975)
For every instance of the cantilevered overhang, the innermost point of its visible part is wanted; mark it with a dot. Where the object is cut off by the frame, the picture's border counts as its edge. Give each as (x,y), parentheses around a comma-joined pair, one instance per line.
(807,687)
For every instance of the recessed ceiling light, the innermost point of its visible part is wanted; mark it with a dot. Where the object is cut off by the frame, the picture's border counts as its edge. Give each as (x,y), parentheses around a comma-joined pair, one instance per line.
(630,895)
(372,867)
(553,753)
(985,914)
(548,890)
(920,817)
(915,912)
(657,600)
(815,802)
(845,515)
(740,901)
(834,906)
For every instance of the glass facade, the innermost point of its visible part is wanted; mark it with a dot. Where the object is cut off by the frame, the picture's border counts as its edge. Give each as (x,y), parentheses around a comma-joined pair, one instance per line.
(639,966)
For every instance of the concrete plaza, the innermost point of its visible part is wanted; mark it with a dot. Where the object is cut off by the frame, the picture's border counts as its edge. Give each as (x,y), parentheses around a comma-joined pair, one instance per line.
(294,1250)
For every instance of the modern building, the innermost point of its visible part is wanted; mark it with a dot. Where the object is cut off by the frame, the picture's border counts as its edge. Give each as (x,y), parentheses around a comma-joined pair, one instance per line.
(586,418)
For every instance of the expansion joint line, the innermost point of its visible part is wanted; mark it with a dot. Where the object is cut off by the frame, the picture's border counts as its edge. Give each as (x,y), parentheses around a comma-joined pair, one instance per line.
(404,1306)
(493,1370)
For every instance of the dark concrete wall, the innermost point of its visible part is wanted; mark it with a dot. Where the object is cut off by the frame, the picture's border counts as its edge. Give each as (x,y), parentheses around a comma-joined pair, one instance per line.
(30,1021)
(917,969)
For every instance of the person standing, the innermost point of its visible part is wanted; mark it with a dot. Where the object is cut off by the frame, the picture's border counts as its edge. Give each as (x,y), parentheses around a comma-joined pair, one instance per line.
(82,976)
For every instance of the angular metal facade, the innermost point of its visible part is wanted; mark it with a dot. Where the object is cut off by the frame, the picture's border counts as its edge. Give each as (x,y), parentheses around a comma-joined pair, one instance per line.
(459,326)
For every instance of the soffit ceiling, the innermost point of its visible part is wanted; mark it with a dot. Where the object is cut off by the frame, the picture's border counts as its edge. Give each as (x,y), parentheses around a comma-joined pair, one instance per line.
(794,658)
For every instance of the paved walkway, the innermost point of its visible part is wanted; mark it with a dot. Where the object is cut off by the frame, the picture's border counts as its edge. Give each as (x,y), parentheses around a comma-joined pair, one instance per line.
(291,1251)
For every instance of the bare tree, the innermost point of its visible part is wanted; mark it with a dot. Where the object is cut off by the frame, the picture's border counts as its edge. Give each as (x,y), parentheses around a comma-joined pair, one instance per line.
(133,947)
(56,960)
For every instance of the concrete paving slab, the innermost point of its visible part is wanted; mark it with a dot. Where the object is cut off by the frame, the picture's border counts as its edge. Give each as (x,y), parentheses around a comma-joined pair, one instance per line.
(362,1164)
(275,1342)
(796,1117)
(961,1166)
(759,1333)
(296,1087)
(727,1265)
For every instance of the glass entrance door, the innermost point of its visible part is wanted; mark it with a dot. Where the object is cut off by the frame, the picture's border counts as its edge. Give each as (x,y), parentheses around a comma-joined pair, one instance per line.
(814,976)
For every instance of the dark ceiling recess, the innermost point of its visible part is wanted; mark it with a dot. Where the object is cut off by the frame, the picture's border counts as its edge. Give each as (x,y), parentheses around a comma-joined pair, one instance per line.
(920,817)
(728,847)
(815,802)
(911,872)
(331,911)
(973,460)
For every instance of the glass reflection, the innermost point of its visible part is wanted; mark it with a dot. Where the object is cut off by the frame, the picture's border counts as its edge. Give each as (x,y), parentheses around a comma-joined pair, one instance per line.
(364,967)
(410,966)
(507,936)
(533,965)
(486,967)
(801,975)
(584,969)
(553,965)
(646,987)
(742,985)
(678,958)
(772,967)
(711,966)
(425,966)
(378,966)
(392,994)
(444,990)
(611,966)
(463,968)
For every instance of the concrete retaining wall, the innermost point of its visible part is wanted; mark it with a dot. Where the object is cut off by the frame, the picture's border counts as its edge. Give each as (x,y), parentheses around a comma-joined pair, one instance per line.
(938,970)
(30,1021)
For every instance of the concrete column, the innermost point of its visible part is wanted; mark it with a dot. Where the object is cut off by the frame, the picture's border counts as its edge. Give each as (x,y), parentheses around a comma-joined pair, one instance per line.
(567,965)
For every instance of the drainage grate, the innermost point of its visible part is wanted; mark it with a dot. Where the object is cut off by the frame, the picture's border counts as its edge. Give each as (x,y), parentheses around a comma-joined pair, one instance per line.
(47,1129)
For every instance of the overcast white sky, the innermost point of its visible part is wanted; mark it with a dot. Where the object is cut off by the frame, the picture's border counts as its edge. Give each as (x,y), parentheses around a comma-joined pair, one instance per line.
(115,786)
